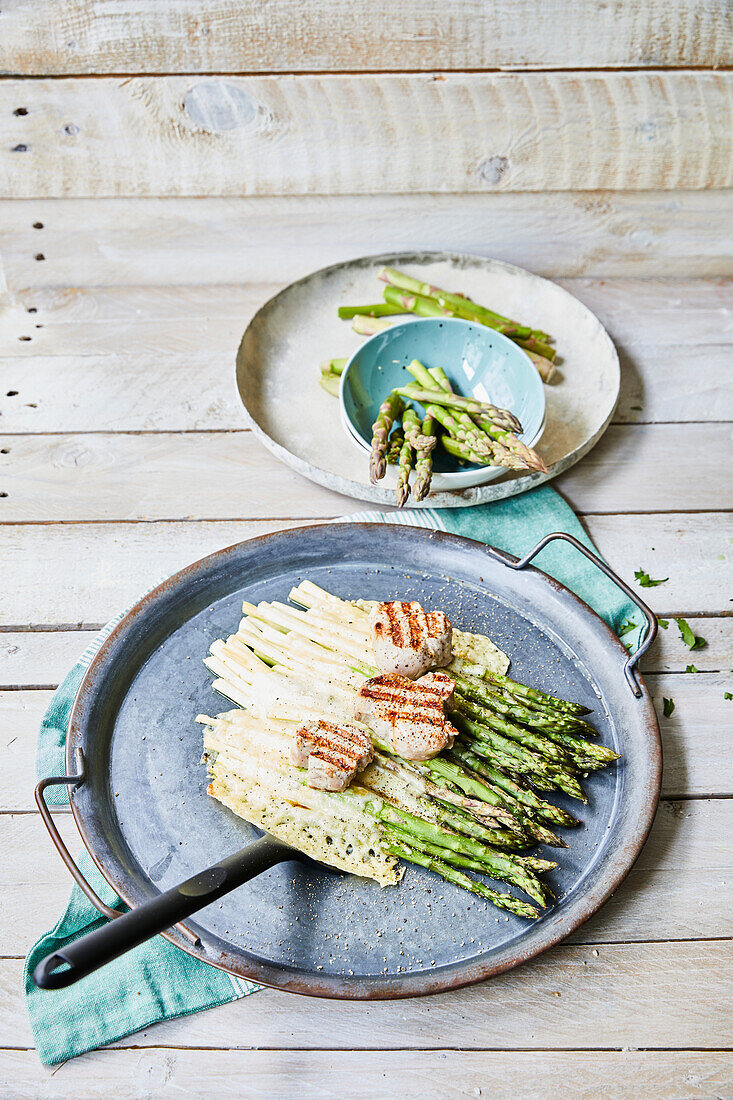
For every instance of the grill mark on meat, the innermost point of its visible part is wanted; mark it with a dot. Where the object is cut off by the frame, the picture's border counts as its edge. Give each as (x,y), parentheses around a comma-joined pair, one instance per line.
(411,713)
(333,753)
(408,640)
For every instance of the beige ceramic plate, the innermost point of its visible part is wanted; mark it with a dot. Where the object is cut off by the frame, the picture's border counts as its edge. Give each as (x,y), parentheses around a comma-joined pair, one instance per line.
(277,368)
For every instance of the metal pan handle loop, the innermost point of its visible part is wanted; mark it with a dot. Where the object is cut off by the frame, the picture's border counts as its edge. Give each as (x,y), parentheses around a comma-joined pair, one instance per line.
(651,619)
(81,882)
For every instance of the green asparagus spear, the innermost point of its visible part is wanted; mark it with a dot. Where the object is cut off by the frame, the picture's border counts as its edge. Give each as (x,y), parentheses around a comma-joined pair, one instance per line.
(412,427)
(394,447)
(333,366)
(535,697)
(450,874)
(502,417)
(389,411)
(330,383)
(464,451)
(424,463)
(545,811)
(379,309)
(457,302)
(414,303)
(469,438)
(369,326)
(402,492)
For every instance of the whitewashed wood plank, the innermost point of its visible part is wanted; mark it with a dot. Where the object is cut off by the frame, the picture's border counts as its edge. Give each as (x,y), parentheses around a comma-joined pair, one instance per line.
(84,242)
(372,1075)
(44,38)
(137,359)
(635,993)
(693,551)
(681,888)
(191,136)
(121,561)
(204,475)
(670,654)
(697,751)
(41,658)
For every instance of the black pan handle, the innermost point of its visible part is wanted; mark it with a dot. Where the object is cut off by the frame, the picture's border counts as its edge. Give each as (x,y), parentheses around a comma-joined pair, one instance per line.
(651,618)
(68,964)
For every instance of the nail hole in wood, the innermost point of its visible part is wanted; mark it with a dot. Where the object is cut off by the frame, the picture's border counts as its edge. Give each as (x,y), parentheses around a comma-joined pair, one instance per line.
(38,225)
(39,256)
(32,309)
(4,450)
(20,111)
(39,326)
(12,393)
(71,129)
(31,405)
(3,494)
(20,148)
(24,338)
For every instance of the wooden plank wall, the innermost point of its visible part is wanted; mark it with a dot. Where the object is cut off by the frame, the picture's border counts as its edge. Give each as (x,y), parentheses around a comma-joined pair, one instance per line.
(166,167)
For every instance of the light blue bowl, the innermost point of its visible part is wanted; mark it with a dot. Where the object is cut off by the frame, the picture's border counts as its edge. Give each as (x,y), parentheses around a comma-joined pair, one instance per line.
(479,362)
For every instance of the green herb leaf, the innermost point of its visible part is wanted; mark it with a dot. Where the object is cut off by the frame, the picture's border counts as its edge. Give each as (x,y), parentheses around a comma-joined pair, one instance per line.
(664,623)
(691,640)
(646,581)
(626,628)
(727,695)
(667,706)
(691,668)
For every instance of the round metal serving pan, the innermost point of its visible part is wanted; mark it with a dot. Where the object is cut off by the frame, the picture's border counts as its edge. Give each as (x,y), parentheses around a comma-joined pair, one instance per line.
(277,369)
(145,817)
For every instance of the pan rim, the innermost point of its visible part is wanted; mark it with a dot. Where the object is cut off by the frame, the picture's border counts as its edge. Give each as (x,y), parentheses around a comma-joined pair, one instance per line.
(450,976)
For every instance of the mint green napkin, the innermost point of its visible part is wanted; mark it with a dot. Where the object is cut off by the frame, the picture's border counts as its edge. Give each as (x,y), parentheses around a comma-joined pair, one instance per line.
(158,981)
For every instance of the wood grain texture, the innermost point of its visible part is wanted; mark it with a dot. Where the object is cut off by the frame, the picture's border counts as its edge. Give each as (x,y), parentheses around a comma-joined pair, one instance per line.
(41,658)
(180,36)
(634,991)
(697,746)
(189,136)
(371,1075)
(161,358)
(144,242)
(226,475)
(122,561)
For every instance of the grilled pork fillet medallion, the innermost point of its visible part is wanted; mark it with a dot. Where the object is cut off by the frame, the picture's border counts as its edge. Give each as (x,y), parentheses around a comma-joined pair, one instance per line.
(408,640)
(410,714)
(333,753)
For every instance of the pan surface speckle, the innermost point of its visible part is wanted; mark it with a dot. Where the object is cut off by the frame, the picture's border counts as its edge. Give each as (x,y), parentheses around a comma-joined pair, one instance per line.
(144,813)
(277,369)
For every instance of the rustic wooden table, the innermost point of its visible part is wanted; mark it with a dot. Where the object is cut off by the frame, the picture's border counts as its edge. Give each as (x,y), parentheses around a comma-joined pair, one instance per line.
(147,217)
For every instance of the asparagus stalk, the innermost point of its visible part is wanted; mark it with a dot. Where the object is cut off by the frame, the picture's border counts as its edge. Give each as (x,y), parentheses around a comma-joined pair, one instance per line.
(402,492)
(458,302)
(487,708)
(463,451)
(545,811)
(414,303)
(424,463)
(472,785)
(450,874)
(502,417)
(330,383)
(379,309)
(470,439)
(333,366)
(538,699)
(498,864)
(369,326)
(394,447)
(526,457)
(389,411)
(412,428)
(439,375)
(544,367)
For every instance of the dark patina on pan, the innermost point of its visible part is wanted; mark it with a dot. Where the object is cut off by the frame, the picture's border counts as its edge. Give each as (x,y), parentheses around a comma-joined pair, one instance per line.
(139,797)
